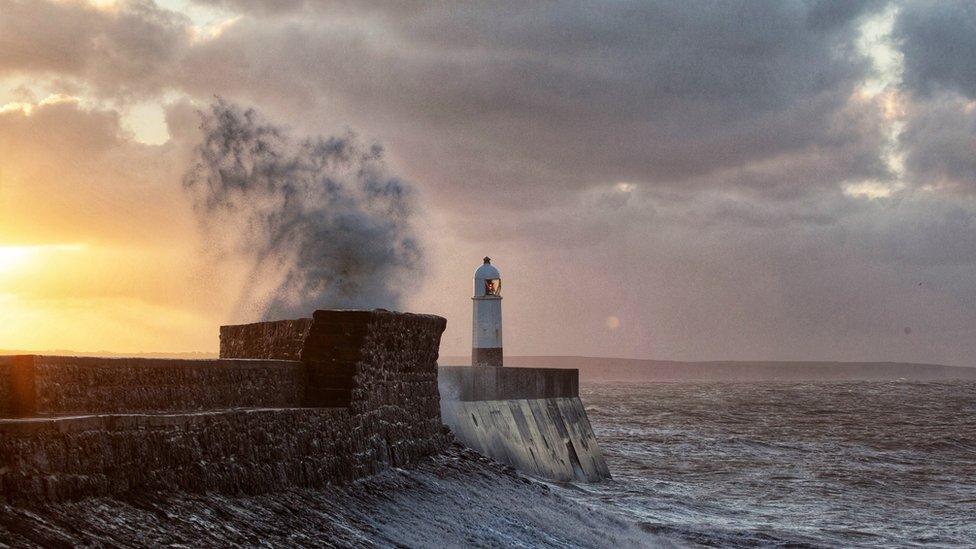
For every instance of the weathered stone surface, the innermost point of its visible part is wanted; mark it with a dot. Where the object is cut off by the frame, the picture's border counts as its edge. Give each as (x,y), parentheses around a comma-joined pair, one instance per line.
(530,418)
(547,437)
(234,451)
(5,394)
(18,397)
(279,339)
(87,384)
(487,357)
(480,383)
(381,366)
(397,362)
(351,355)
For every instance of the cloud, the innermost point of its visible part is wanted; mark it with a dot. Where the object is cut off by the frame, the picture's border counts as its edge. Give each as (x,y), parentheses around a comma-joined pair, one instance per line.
(528,97)
(263,7)
(678,166)
(940,143)
(66,166)
(130,50)
(937,40)
(533,98)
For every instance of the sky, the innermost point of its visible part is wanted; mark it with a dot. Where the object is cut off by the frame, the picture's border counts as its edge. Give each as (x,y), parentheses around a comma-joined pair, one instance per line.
(667,180)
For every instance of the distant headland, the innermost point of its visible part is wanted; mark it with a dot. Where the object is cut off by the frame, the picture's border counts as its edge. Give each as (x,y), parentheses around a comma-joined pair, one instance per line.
(626,369)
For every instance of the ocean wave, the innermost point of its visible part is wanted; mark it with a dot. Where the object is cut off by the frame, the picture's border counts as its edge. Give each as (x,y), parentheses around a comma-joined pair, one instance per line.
(458,499)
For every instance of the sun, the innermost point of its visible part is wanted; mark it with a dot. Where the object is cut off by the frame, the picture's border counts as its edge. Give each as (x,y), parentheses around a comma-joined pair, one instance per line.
(12,257)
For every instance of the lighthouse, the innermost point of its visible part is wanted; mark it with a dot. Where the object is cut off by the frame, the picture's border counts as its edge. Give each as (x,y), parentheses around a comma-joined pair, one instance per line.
(486,337)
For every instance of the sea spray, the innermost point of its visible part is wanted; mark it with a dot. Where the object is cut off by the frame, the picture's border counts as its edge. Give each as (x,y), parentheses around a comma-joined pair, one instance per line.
(319,222)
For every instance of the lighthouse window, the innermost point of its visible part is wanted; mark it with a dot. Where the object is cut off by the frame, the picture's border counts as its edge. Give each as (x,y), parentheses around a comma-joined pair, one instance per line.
(493,287)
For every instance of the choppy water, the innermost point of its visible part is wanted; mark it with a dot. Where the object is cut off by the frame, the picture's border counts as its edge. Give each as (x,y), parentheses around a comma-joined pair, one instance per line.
(820,464)
(712,464)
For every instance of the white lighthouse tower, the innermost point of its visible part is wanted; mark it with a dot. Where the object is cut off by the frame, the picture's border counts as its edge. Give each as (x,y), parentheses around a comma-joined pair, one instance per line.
(486,339)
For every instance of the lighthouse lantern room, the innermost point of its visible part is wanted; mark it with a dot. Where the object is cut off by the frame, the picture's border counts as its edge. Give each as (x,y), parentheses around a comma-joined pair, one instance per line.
(486,339)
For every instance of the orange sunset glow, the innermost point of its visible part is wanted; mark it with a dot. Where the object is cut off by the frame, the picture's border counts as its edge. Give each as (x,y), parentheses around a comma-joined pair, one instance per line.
(646,201)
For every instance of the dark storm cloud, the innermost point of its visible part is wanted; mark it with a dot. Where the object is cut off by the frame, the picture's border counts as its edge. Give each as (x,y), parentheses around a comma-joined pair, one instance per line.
(257,6)
(940,143)
(938,40)
(531,97)
(568,95)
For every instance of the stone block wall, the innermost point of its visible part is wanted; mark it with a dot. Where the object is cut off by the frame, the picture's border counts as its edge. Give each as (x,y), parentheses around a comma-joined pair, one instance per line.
(17,387)
(546,437)
(333,352)
(388,364)
(358,358)
(234,451)
(472,383)
(529,418)
(366,358)
(279,339)
(63,385)
(5,390)
(382,365)
(229,425)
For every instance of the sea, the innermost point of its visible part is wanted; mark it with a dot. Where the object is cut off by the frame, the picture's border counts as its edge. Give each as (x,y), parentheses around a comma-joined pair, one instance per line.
(831,464)
(820,464)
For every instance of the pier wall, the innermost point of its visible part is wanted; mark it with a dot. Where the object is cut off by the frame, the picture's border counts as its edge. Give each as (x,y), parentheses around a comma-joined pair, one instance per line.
(6,395)
(486,383)
(529,418)
(70,385)
(99,427)
(276,339)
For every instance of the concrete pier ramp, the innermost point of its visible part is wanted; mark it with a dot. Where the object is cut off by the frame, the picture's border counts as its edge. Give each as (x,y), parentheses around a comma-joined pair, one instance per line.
(529,418)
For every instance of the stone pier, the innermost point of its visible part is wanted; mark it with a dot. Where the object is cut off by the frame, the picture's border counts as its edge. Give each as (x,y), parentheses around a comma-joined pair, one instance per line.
(302,403)
(529,418)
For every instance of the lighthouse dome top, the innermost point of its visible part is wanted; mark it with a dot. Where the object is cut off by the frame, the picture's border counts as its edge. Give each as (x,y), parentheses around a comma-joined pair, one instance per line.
(487,280)
(487,271)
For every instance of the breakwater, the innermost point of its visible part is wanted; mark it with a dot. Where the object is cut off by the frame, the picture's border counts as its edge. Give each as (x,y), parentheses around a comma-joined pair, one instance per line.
(529,418)
(340,396)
